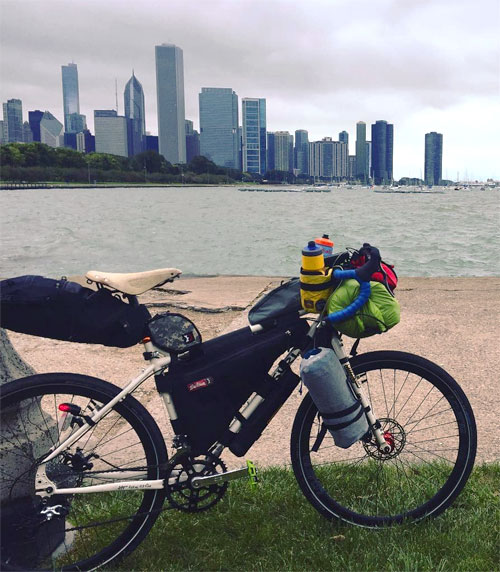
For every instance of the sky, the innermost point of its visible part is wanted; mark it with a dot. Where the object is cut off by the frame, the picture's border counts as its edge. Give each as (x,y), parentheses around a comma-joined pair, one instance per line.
(322,65)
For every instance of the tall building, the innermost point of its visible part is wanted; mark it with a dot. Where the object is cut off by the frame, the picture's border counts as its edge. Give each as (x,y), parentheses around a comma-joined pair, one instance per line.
(71,97)
(192,141)
(270,152)
(51,130)
(382,152)
(76,123)
(283,151)
(301,152)
(219,126)
(254,139)
(34,118)
(433,158)
(170,96)
(13,121)
(344,138)
(328,159)
(362,172)
(27,133)
(111,132)
(135,111)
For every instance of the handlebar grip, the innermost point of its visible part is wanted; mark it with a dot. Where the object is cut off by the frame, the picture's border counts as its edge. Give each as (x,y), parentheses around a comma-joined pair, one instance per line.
(372,265)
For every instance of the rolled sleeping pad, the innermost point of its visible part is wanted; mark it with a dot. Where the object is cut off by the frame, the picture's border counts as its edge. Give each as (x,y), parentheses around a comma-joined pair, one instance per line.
(343,414)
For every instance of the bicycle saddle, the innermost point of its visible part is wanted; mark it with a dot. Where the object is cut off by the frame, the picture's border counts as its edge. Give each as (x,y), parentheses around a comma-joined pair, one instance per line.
(134,283)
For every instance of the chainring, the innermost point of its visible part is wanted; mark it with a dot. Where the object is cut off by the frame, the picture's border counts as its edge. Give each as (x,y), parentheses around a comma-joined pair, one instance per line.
(180,492)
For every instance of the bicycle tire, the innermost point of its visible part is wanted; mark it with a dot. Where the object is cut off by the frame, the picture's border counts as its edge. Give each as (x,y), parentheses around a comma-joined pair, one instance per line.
(96,528)
(430,426)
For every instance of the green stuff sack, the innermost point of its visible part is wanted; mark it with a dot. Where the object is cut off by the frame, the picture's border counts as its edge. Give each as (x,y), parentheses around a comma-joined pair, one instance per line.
(378,315)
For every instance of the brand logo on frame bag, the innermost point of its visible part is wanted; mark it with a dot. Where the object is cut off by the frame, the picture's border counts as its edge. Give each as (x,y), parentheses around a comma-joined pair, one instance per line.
(200,383)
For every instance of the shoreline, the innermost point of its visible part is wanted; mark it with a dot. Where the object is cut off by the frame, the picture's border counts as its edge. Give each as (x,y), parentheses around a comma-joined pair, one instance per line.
(451,321)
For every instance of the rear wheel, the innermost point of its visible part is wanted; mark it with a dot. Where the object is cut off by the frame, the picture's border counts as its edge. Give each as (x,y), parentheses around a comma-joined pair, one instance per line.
(78,531)
(428,423)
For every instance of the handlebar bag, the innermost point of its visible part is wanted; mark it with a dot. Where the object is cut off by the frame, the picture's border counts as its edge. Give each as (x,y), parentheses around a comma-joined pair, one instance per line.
(380,313)
(209,388)
(64,310)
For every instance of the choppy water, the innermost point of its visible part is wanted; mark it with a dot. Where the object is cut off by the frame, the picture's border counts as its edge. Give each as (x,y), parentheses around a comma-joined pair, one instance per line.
(206,231)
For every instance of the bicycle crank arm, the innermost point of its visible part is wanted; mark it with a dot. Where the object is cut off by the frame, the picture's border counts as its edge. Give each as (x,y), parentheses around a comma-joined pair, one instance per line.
(199,482)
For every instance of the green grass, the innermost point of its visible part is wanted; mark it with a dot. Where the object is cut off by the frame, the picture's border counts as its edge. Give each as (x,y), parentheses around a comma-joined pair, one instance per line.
(275,528)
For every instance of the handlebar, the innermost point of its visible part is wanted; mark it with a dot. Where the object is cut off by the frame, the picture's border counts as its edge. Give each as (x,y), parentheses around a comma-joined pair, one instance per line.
(362,275)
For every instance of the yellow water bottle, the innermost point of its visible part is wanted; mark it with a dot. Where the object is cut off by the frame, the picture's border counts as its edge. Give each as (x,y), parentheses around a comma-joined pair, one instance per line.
(312,257)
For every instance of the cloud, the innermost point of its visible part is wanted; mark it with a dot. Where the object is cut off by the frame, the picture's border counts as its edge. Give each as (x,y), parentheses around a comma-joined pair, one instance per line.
(322,65)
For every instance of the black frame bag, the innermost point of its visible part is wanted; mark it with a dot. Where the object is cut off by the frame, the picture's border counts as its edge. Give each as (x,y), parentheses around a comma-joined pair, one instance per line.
(65,310)
(211,386)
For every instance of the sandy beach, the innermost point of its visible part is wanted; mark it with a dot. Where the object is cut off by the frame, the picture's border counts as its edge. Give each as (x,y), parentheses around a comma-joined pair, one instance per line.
(451,321)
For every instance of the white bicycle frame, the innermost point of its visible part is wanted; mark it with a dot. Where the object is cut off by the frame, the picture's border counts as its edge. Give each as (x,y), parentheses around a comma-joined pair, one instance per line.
(159,362)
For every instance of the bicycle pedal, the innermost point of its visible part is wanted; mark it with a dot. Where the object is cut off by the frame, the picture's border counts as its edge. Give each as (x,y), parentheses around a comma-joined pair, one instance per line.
(252,474)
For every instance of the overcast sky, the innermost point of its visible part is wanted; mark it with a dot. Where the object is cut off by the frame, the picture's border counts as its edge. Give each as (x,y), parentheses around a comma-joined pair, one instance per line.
(322,65)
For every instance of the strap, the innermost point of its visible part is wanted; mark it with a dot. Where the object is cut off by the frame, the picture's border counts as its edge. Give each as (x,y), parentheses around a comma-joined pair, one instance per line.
(338,414)
(339,426)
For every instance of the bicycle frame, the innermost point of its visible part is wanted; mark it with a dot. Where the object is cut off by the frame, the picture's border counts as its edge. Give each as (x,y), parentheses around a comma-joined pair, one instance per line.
(159,362)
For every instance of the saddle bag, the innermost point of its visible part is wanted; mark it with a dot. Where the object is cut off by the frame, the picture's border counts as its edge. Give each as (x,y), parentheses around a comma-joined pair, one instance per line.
(209,387)
(65,310)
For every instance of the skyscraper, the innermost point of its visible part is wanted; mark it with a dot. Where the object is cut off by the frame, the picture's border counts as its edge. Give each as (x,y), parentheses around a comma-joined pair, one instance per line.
(71,98)
(344,137)
(361,169)
(13,121)
(382,152)
(302,151)
(51,130)
(219,126)
(433,158)
(134,111)
(192,141)
(283,151)
(111,133)
(170,96)
(254,135)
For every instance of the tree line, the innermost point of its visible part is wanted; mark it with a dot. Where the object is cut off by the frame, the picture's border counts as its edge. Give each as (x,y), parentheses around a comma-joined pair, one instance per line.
(35,162)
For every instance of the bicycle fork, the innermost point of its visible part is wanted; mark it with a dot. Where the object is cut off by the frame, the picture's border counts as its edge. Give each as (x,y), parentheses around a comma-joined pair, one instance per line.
(356,385)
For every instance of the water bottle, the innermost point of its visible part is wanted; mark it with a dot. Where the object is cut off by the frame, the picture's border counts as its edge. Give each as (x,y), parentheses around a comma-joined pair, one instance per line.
(313,259)
(325,378)
(325,244)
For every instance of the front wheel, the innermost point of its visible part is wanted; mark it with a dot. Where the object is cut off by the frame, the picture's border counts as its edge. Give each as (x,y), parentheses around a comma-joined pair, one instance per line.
(428,423)
(74,531)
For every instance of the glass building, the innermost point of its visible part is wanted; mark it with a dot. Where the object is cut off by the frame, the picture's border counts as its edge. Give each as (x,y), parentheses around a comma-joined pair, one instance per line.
(13,121)
(254,137)
(433,158)
(71,98)
(192,141)
(219,126)
(344,137)
(135,111)
(362,171)
(170,98)
(382,152)
(51,130)
(111,132)
(301,152)
(34,118)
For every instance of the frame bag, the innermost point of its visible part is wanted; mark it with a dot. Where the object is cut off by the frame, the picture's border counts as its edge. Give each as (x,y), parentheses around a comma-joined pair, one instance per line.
(65,310)
(209,386)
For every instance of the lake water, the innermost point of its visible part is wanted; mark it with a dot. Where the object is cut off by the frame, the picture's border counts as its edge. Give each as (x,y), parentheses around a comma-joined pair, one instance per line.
(220,230)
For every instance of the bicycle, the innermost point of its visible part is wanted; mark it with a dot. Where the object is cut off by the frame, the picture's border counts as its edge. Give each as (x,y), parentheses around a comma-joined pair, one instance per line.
(89,471)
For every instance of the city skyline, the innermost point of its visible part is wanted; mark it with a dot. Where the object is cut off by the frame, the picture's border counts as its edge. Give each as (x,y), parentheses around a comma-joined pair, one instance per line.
(405,63)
